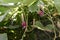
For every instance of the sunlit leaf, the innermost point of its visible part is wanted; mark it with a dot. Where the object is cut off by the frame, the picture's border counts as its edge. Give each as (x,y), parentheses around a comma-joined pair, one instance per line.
(3,16)
(16,1)
(3,9)
(33,7)
(10,1)
(29,2)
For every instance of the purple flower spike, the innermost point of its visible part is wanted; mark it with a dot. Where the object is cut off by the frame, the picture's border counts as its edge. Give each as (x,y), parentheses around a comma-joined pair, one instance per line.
(24,24)
(41,13)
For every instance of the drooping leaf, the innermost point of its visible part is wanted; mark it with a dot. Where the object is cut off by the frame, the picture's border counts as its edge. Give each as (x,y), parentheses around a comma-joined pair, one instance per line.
(49,27)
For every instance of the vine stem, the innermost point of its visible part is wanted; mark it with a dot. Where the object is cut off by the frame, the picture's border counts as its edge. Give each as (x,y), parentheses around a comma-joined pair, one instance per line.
(25,28)
(53,26)
(24,33)
(47,34)
(54,30)
(59,34)
(32,26)
(52,23)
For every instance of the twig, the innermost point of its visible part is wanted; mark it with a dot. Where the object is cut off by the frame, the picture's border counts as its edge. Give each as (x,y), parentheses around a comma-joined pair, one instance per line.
(52,23)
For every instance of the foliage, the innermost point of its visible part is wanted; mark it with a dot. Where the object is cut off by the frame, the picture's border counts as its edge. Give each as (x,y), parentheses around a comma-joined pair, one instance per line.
(20,17)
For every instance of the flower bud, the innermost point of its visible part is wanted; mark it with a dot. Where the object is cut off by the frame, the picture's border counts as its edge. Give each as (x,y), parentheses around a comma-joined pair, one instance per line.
(41,13)
(24,24)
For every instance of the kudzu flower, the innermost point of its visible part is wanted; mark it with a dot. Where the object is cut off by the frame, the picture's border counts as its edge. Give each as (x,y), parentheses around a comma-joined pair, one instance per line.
(24,24)
(41,13)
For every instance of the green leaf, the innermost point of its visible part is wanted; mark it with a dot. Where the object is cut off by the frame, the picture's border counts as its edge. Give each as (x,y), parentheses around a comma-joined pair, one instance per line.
(10,1)
(29,2)
(38,25)
(3,16)
(16,1)
(49,27)
(3,9)
(57,4)
(33,7)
